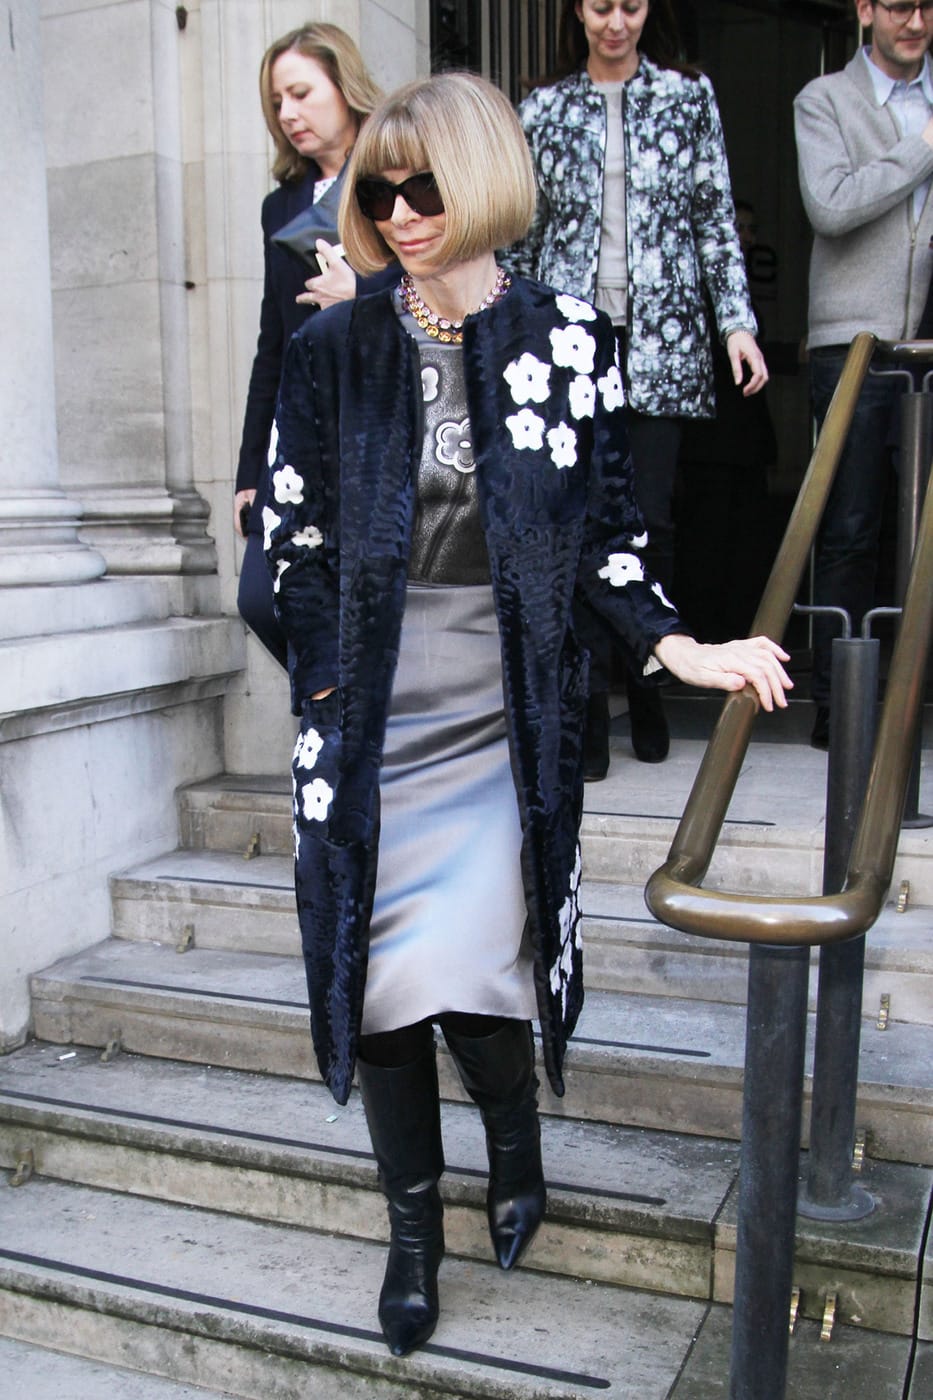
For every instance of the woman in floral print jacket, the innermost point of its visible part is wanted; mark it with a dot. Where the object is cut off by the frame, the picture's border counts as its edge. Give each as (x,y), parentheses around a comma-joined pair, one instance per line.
(453,470)
(635,214)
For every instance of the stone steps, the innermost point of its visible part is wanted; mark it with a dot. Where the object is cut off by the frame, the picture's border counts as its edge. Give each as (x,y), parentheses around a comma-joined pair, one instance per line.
(772,842)
(239,905)
(654,1062)
(44,1374)
(255,1309)
(626,1207)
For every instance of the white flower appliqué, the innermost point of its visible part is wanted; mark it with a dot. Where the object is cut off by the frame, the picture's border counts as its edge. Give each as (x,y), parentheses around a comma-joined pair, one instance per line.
(574,309)
(570,935)
(269,522)
(527,378)
(582,397)
(280,568)
(287,486)
(527,429)
(429,383)
(563,444)
(307,749)
(612,389)
(316,798)
(273,445)
(573,348)
(658,591)
(310,537)
(622,569)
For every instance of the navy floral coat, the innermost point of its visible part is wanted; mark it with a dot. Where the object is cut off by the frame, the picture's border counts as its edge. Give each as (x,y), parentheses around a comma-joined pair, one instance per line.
(555,492)
(680,224)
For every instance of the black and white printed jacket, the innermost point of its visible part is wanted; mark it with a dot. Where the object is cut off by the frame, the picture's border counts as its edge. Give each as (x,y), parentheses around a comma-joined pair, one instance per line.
(680,224)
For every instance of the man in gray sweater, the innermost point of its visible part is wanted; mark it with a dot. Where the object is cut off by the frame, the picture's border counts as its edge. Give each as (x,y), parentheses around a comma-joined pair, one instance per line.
(865,153)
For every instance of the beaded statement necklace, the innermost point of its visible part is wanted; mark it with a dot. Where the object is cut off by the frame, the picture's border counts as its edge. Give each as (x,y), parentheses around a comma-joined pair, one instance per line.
(439,327)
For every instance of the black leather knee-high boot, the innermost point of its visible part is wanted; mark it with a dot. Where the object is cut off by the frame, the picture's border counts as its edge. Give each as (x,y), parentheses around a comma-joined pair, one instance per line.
(403,1113)
(498,1073)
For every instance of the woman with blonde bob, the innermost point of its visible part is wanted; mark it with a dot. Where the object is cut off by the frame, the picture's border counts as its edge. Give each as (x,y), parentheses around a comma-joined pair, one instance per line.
(454,462)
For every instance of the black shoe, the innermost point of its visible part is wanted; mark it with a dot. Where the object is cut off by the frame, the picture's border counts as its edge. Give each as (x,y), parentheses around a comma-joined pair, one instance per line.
(596,738)
(651,739)
(403,1114)
(819,738)
(498,1074)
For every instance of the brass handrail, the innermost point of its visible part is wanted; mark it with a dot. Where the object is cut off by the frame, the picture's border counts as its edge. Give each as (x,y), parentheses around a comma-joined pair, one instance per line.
(673,892)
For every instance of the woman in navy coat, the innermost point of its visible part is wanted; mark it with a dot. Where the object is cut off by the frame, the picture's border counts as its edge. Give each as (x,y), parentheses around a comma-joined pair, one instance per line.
(315,93)
(453,475)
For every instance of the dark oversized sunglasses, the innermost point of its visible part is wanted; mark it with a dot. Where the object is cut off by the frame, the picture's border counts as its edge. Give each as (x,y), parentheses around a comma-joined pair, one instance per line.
(376,198)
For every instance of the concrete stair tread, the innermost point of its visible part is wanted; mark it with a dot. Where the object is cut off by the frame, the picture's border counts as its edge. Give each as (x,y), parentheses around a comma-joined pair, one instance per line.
(899,941)
(701,1038)
(771,841)
(666,1182)
(55,1375)
(311,1297)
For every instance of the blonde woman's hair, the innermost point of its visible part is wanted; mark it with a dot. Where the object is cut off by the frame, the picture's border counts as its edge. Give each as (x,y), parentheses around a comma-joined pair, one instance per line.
(465,131)
(343,63)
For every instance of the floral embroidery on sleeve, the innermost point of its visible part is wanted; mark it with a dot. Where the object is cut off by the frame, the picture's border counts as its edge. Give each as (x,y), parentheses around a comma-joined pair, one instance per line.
(270,521)
(611,389)
(622,569)
(310,537)
(287,486)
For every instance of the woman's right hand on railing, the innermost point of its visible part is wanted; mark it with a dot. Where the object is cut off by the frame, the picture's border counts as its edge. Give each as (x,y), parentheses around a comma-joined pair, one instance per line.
(755,661)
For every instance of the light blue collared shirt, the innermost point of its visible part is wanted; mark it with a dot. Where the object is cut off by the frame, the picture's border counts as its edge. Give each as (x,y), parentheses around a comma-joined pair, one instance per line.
(911,106)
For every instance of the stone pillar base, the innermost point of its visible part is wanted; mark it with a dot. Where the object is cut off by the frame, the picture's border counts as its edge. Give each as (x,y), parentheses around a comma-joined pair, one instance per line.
(39,542)
(149,531)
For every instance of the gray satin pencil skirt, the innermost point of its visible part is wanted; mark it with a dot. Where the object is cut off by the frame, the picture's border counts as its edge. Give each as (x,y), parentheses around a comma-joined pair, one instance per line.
(447,931)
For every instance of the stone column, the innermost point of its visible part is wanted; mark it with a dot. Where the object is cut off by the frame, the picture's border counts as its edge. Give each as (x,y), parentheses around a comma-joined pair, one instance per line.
(120,284)
(38,523)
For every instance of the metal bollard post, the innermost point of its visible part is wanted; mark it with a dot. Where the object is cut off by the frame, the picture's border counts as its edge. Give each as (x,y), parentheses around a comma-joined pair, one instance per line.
(830,1192)
(916,450)
(771,1107)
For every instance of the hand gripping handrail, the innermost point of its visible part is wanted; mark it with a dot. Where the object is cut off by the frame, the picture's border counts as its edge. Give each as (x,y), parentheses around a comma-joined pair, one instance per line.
(673,893)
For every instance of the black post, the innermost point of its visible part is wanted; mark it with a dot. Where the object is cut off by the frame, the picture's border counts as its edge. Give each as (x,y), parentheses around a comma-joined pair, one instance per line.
(913,473)
(772,1101)
(830,1193)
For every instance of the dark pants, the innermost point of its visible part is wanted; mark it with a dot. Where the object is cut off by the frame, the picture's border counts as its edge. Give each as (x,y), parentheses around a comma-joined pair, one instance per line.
(847,544)
(254,600)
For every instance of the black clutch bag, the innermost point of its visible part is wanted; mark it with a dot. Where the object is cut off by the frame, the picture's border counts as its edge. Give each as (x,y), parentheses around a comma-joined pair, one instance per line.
(301,233)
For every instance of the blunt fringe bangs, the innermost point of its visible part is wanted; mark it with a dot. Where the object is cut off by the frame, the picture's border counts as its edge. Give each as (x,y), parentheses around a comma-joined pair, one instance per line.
(343,63)
(464,130)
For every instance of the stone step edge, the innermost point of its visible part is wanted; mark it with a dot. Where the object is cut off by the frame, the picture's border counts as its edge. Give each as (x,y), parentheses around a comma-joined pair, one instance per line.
(129,1316)
(580,1209)
(568,1203)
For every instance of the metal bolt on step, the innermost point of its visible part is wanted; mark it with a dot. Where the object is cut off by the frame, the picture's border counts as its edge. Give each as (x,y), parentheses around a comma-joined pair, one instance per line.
(24,1169)
(903,898)
(858,1151)
(253,846)
(884,1012)
(111,1050)
(187,939)
(794,1310)
(829,1318)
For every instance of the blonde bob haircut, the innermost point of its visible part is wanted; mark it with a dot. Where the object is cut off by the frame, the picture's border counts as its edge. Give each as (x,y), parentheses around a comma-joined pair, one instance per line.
(465,131)
(343,63)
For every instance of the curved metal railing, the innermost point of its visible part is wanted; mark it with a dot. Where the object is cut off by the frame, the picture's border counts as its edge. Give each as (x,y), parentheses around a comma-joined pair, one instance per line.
(673,892)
